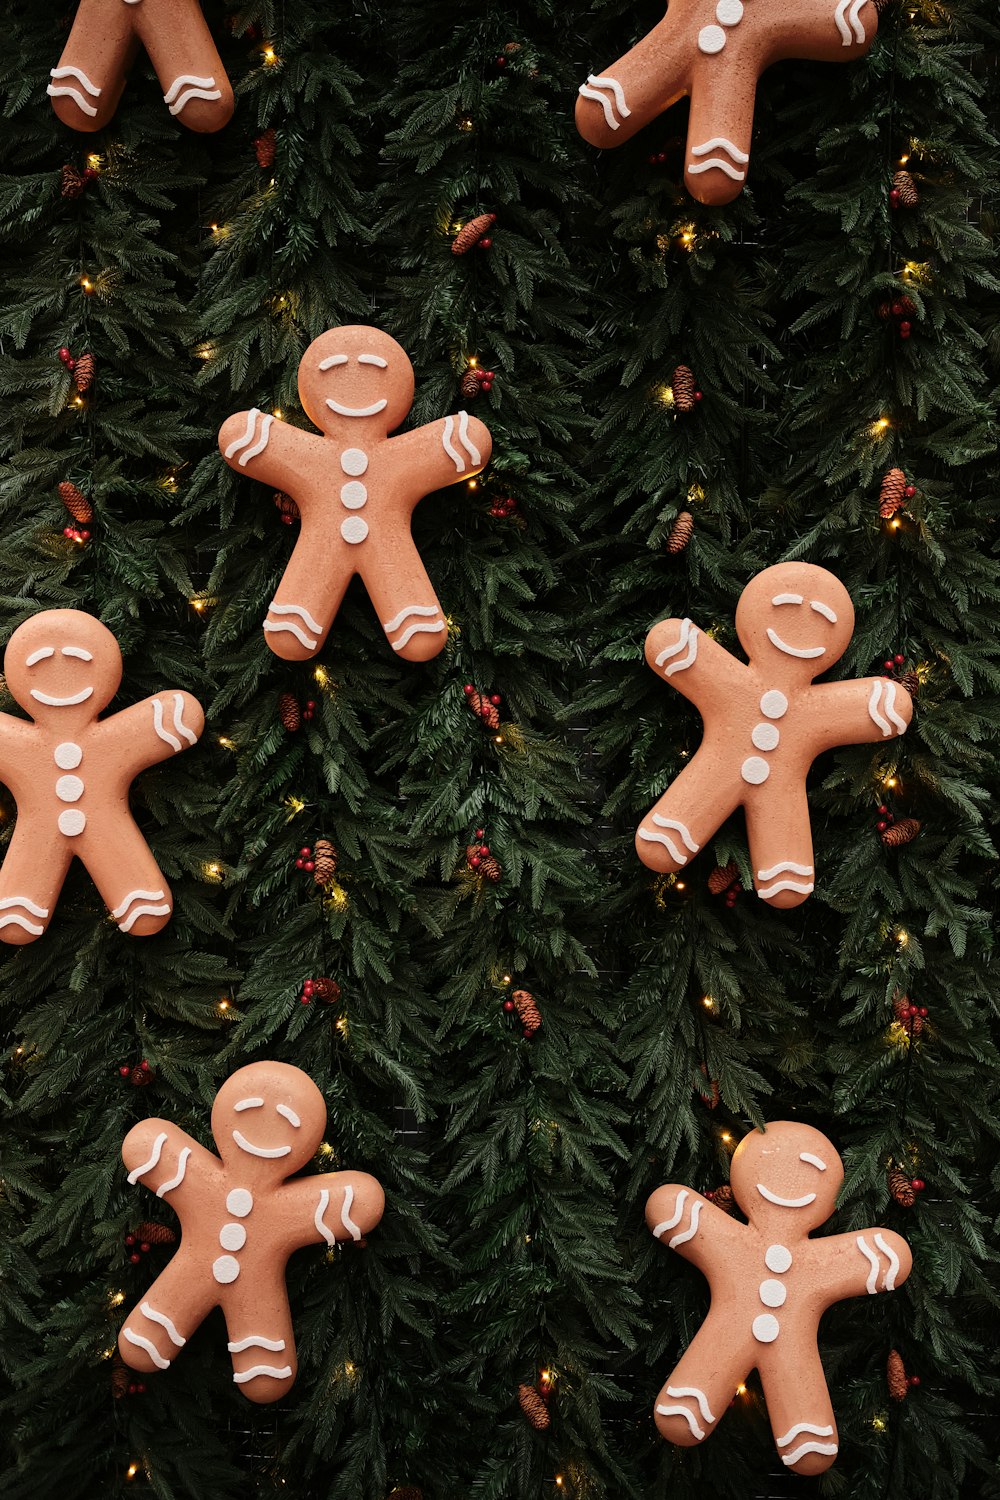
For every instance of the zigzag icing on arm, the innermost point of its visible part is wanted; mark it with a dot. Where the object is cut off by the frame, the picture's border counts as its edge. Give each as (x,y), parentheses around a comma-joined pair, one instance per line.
(242,1376)
(164,1322)
(693,1391)
(465,440)
(689,1233)
(147,1166)
(345,1214)
(682,1411)
(150,1348)
(448,446)
(178,1178)
(256,1341)
(321,1208)
(179,723)
(675,1219)
(164,734)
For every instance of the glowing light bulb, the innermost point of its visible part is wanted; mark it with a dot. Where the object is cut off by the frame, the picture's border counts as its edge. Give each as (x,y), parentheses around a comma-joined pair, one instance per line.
(708,1002)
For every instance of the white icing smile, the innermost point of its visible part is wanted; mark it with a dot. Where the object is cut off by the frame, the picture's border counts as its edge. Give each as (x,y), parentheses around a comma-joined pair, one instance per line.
(802,1202)
(51,702)
(270,1153)
(806,652)
(357,411)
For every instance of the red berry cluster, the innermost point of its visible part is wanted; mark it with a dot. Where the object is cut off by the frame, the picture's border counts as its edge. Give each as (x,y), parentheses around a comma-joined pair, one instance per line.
(504,508)
(907,1015)
(76,534)
(137,1247)
(913,1380)
(733,890)
(485,377)
(918,1184)
(891,665)
(903,310)
(304,860)
(308,710)
(481,852)
(67,359)
(308,991)
(480,703)
(138,1074)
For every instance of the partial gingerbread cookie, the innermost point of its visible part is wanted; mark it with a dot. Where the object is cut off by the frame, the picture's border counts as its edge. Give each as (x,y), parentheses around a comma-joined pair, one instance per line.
(715,50)
(764,724)
(356,489)
(240,1220)
(770,1286)
(106,35)
(70,773)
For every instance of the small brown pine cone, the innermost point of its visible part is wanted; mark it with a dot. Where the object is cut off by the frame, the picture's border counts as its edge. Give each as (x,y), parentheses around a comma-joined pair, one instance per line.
(76,502)
(141,1078)
(900,1009)
(683,387)
(470,234)
(287,508)
(265,148)
(71,184)
(892,493)
(901,1187)
(490,868)
(722,878)
(911,682)
(84,371)
(901,833)
(327,990)
(527,1010)
(121,1377)
(680,533)
(484,709)
(895,1376)
(325,858)
(511,47)
(906,305)
(155,1234)
(909,195)
(469,385)
(534,1407)
(289,712)
(723,1198)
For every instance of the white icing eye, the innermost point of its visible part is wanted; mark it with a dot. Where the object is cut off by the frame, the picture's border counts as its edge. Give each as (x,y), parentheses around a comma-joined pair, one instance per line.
(814,1161)
(42,654)
(711,39)
(248,1104)
(372,359)
(288,1114)
(824,610)
(78,652)
(332,360)
(786,599)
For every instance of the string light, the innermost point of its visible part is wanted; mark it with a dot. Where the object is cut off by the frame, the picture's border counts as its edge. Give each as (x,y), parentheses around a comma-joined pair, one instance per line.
(226,743)
(295,805)
(278,413)
(465,123)
(86,283)
(271,58)
(131,1471)
(212,872)
(325,1149)
(726,1137)
(902,937)
(94,161)
(473,484)
(665,395)
(115,1299)
(322,676)
(741,1390)
(687,236)
(223,1005)
(878,1423)
(695,494)
(680,885)
(708,1002)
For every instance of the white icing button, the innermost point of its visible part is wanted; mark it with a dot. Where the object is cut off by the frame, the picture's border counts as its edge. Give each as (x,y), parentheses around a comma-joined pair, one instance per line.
(729,12)
(771,1293)
(774,705)
(69,789)
(765,736)
(354,461)
(234,1237)
(227,1268)
(68,756)
(353,494)
(755,770)
(240,1202)
(764,1327)
(777,1258)
(72,822)
(711,39)
(354,529)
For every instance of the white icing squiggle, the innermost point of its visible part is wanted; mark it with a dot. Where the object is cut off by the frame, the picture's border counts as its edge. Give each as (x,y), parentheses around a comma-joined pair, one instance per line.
(142,911)
(614,106)
(321,1208)
(193,88)
(291,629)
(404,614)
(699,1396)
(434,629)
(345,1214)
(677,827)
(163,734)
(164,1322)
(26,902)
(792,1432)
(889,1284)
(238,444)
(813,1161)
(786,885)
(158,1145)
(242,1376)
(806,653)
(295,609)
(682,1411)
(847,11)
(150,1348)
(676,1218)
(66,90)
(15,921)
(465,440)
(802,1202)
(179,723)
(718,162)
(800,1452)
(70,702)
(446,443)
(785,864)
(720,142)
(688,637)
(270,1153)
(120,911)
(688,1234)
(357,411)
(178,1177)
(256,1341)
(824,610)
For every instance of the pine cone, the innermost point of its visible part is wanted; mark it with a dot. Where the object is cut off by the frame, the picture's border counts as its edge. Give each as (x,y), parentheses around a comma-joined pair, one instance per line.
(722,878)
(121,1377)
(287,508)
(289,712)
(141,1077)
(905,186)
(534,1407)
(680,533)
(470,234)
(327,990)
(325,858)
(490,868)
(906,305)
(895,1376)
(84,371)
(265,147)
(901,832)
(901,1187)
(900,1009)
(484,709)
(892,493)
(683,387)
(470,386)
(155,1234)
(911,682)
(531,1016)
(71,183)
(76,502)
(724,1198)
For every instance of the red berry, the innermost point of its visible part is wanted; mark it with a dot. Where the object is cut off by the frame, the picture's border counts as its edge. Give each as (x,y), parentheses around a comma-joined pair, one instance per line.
(130,1239)
(140,1389)
(918,1184)
(144,1065)
(887,665)
(468,690)
(910,491)
(311,705)
(305,853)
(697,395)
(897,309)
(300,864)
(488,375)
(899,659)
(484,849)
(304,998)
(501,62)
(133,1390)
(661,157)
(883,810)
(310,865)
(480,833)
(509,1006)
(924,1011)
(496,699)
(85,536)
(475,861)
(881,827)
(135,1257)
(486,386)
(913,1380)
(485,243)
(65,355)
(894,198)
(652,159)
(911,1010)
(904,330)
(124,1070)
(144,1248)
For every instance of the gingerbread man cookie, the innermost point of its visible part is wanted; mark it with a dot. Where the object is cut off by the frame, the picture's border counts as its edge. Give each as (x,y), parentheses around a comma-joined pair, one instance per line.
(356,489)
(715,50)
(70,772)
(770,1286)
(106,35)
(240,1221)
(765,723)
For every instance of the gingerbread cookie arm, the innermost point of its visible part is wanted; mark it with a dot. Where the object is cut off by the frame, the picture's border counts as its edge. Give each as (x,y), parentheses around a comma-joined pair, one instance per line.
(691,810)
(404,598)
(160,1325)
(691,661)
(258,444)
(153,730)
(87,82)
(863,711)
(779,835)
(335,1206)
(180,46)
(686,1222)
(699,1389)
(442,453)
(798,1399)
(261,1337)
(861,1263)
(31,877)
(617,102)
(169,1163)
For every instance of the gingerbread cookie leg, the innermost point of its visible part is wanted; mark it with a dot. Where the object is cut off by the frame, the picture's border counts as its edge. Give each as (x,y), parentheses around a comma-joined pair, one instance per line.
(308,597)
(798,1401)
(30,881)
(687,815)
(127,876)
(718,140)
(170,1312)
(621,99)
(699,1390)
(87,84)
(187,63)
(261,1340)
(405,602)
(780,840)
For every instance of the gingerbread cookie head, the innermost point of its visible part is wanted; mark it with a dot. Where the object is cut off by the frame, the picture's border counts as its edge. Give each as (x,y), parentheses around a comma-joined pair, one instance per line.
(268,1120)
(795,620)
(63,667)
(356,382)
(786,1179)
